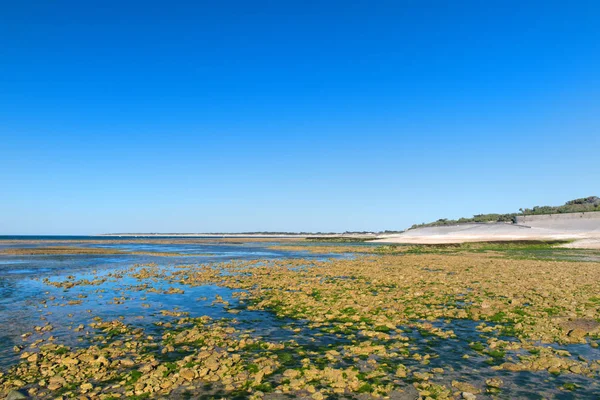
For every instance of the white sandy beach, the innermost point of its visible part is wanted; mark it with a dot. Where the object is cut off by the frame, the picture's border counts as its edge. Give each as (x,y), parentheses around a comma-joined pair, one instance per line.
(584,231)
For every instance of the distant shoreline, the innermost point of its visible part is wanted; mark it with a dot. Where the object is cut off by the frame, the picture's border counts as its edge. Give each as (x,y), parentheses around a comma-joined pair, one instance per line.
(245,235)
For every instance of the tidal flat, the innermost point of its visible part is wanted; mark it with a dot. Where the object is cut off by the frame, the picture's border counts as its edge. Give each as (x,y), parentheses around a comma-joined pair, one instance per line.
(299,320)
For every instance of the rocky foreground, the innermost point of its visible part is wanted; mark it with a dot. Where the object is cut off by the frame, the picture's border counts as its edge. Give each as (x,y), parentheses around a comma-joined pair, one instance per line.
(399,326)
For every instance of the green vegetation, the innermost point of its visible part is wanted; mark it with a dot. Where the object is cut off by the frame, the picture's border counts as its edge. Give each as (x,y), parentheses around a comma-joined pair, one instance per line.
(516,249)
(584,204)
(523,245)
(477,346)
(337,239)
(134,376)
(264,387)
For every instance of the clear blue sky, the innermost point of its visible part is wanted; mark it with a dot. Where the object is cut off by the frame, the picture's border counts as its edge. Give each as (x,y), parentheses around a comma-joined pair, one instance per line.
(181,116)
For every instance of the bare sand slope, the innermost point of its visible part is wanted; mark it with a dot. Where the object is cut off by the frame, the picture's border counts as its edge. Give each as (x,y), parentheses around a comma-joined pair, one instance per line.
(586,222)
(584,230)
(591,243)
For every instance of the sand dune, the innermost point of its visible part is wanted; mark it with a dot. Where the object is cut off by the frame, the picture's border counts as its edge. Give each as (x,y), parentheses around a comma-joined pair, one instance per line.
(584,228)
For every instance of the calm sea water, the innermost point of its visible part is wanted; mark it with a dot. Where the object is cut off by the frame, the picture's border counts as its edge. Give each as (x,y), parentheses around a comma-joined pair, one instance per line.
(103,237)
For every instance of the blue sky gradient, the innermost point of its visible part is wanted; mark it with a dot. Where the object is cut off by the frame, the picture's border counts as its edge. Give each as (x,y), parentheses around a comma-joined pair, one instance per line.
(292,116)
